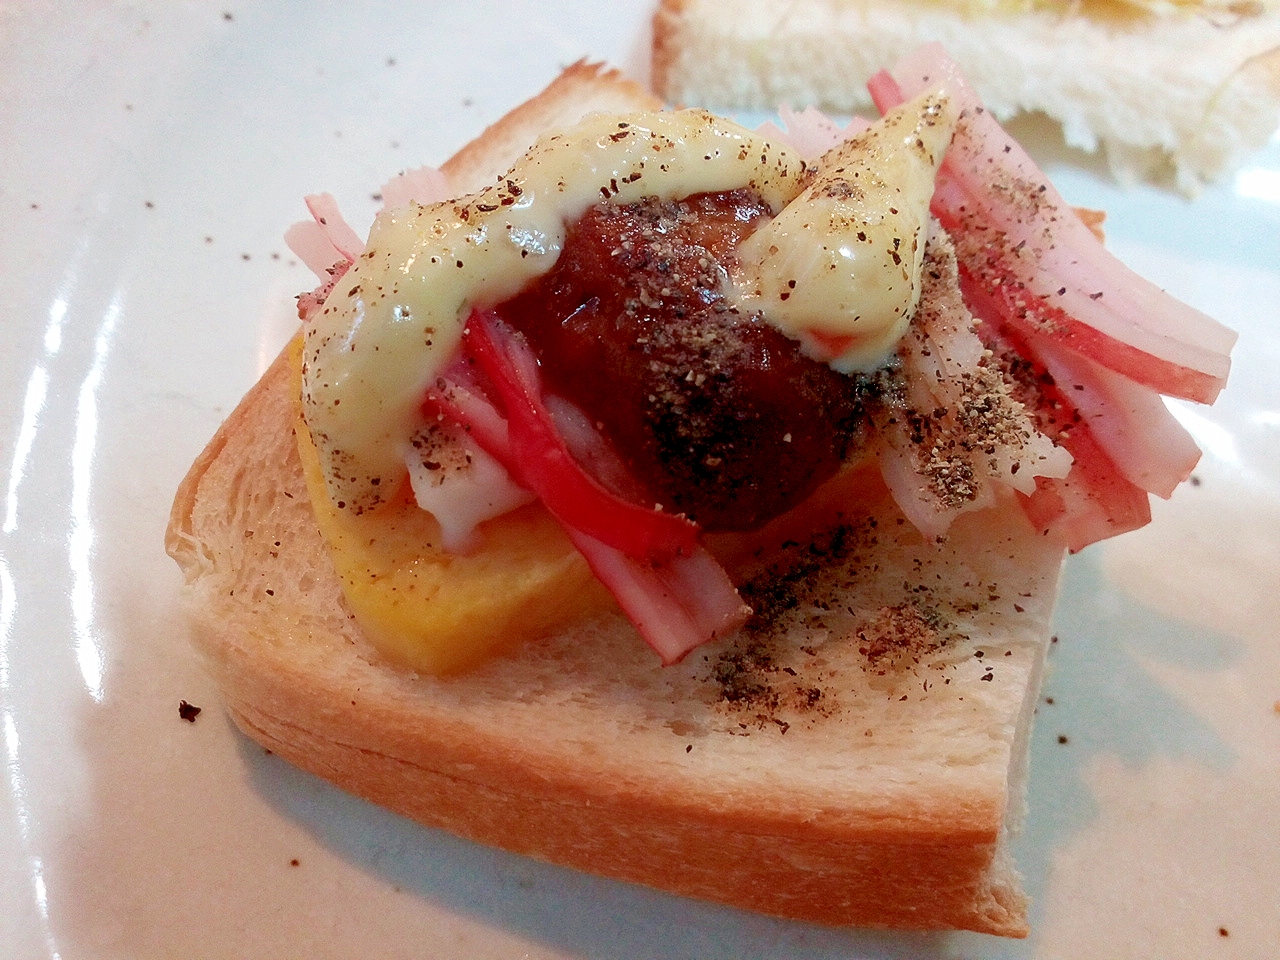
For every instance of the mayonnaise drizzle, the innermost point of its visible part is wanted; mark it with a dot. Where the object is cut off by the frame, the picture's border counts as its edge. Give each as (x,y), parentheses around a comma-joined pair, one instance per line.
(839,268)
(395,318)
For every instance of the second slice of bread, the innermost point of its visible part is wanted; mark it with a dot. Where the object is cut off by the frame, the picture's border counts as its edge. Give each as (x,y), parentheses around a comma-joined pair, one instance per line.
(1180,97)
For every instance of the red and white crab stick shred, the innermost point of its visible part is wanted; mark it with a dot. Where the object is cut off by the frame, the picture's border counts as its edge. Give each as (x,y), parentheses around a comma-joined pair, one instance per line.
(1042,265)
(675,606)
(674,592)
(327,243)
(1092,503)
(1127,420)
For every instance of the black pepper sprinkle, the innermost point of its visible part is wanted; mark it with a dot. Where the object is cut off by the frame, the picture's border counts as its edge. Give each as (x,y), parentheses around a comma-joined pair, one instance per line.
(187,711)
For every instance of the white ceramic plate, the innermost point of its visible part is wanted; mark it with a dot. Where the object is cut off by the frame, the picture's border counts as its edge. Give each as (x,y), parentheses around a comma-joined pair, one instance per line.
(152,155)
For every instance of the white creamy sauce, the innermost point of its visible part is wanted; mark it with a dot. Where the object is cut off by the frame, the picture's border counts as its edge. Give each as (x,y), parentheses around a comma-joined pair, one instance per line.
(395,319)
(839,268)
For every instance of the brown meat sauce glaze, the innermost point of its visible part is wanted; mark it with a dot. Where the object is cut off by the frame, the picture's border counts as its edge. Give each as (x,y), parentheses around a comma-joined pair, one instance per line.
(717,414)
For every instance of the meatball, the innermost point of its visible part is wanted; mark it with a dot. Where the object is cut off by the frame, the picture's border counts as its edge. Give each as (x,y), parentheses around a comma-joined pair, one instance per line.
(717,414)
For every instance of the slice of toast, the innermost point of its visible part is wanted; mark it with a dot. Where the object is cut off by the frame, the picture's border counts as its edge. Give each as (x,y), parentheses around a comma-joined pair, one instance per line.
(1178,97)
(854,755)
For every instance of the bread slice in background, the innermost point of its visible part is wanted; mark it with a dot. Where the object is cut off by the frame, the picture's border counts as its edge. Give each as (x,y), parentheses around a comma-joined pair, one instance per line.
(1179,99)
(853,756)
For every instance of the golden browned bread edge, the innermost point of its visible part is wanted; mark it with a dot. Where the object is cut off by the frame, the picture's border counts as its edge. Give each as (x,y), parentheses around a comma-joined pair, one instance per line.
(316,694)
(583,87)
(668,44)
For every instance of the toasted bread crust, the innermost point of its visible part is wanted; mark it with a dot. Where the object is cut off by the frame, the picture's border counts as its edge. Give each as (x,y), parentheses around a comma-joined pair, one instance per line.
(883,799)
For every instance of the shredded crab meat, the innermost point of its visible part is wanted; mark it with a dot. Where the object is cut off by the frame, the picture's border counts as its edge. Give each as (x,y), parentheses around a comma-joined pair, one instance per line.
(309,244)
(539,457)
(1020,241)
(958,434)
(1095,500)
(327,243)
(1092,503)
(676,606)
(422,185)
(670,587)
(810,132)
(1051,295)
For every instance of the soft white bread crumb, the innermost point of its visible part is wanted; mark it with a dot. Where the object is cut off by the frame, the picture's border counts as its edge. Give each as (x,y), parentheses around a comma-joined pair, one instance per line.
(854,758)
(1179,98)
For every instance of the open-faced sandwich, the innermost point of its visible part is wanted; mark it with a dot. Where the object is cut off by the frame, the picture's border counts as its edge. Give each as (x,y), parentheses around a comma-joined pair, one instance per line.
(685,503)
(1176,91)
